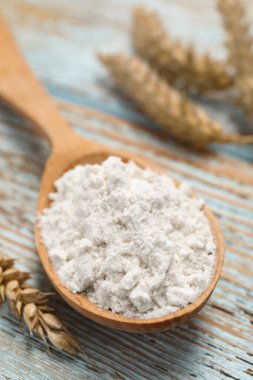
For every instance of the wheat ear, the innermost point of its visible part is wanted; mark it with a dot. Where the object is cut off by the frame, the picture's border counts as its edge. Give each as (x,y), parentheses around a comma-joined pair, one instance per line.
(180,65)
(239,43)
(29,304)
(171,110)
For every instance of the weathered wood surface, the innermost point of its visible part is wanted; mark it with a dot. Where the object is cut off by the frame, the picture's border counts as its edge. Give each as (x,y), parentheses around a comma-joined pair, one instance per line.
(59,40)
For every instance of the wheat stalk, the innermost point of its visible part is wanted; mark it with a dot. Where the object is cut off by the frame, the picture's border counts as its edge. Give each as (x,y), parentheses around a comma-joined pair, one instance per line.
(171,110)
(239,44)
(30,305)
(180,65)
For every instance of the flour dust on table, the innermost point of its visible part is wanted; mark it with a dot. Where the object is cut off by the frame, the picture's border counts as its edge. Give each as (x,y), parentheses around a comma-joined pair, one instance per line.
(128,238)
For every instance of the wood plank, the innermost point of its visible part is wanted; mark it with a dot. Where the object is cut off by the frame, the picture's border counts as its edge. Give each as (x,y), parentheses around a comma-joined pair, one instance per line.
(59,41)
(215,331)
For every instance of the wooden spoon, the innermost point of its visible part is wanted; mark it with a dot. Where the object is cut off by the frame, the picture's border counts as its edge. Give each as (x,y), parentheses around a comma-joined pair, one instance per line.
(20,89)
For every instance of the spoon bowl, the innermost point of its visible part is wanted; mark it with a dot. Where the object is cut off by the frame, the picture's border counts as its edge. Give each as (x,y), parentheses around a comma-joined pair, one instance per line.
(20,89)
(80,302)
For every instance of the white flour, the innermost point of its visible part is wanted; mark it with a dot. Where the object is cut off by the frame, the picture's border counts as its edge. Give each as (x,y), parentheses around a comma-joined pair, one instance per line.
(128,238)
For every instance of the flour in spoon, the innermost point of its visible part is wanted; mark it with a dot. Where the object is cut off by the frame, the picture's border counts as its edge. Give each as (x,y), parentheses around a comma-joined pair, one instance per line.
(128,238)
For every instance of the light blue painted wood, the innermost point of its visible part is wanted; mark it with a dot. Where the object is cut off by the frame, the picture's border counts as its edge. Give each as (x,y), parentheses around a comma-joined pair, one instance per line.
(59,40)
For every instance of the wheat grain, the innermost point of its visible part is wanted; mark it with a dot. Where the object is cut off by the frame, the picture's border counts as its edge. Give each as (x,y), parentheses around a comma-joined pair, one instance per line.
(180,65)
(171,110)
(30,305)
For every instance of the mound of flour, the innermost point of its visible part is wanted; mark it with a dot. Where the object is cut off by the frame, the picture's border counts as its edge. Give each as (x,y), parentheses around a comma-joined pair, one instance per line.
(128,238)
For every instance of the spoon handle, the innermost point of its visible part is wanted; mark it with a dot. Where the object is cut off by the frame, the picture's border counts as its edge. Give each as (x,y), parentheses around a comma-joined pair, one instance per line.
(22,91)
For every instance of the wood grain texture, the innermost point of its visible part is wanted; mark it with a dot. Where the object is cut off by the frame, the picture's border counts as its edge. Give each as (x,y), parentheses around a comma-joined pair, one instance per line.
(217,344)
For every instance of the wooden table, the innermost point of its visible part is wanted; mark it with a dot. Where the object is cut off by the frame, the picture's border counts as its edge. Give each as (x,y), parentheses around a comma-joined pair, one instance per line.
(59,39)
